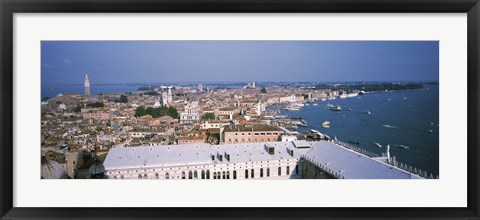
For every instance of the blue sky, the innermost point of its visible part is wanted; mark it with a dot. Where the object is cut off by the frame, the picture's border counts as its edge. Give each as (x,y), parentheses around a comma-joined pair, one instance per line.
(207,61)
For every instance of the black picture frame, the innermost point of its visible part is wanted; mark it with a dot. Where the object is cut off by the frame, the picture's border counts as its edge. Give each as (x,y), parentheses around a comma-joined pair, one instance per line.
(9,7)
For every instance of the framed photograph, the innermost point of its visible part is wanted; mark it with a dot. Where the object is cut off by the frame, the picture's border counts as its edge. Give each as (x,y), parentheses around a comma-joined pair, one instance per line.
(239,109)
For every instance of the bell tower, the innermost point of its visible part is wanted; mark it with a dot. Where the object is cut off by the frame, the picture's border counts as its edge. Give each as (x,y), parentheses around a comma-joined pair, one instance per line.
(87,86)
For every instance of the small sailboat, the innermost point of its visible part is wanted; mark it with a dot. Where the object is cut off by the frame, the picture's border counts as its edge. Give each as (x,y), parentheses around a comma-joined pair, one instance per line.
(378,145)
(368,113)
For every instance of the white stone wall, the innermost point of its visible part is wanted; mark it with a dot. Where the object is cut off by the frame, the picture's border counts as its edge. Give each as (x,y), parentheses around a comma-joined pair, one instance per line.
(177,172)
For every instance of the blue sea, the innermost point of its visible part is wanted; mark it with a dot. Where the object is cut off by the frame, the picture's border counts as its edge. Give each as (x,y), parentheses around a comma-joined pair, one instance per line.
(408,121)
(52,90)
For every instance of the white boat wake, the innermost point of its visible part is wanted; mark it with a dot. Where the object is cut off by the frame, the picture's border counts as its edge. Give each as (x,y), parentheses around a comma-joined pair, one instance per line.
(388,126)
(402,146)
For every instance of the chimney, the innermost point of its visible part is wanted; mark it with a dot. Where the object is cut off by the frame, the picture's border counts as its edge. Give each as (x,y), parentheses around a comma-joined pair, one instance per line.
(270,149)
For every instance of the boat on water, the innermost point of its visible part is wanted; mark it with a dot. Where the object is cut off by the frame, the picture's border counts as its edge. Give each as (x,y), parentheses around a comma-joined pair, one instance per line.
(378,145)
(430,131)
(368,113)
(323,99)
(326,124)
(336,108)
(361,92)
(343,96)
(349,109)
(314,104)
(330,105)
(292,108)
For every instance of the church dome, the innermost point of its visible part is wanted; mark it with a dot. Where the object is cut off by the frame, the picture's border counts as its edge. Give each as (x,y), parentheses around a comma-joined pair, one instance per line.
(52,170)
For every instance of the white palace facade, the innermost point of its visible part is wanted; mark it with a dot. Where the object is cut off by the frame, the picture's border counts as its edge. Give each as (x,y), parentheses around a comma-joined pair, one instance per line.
(265,160)
(272,160)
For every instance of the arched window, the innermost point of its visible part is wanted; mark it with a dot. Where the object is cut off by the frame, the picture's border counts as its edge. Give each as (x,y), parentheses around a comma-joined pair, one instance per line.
(279,171)
(246,174)
(316,173)
(261,172)
(167,176)
(223,175)
(195,174)
(253,174)
(114,177)
(121,177)
(183,174)
(156,176)
(288,170)
(234,174)
(306,167)
(228,175)
(268,172)
(296,169)
(203,174)
(208,174)
(139,176)
(145,176)
(190,174)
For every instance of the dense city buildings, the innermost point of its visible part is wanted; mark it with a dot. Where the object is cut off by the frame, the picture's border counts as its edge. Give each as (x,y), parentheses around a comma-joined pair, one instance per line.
(251,133)
(198,131)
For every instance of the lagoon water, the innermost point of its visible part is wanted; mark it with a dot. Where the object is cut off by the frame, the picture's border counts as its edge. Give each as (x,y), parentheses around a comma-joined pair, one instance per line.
(54,90)
(401,119)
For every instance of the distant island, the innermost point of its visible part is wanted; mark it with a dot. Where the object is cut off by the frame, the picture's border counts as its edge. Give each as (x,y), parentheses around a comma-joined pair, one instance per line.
(370,87)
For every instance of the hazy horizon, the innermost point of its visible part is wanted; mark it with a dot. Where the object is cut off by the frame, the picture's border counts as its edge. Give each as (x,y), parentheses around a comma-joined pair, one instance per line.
(184,62)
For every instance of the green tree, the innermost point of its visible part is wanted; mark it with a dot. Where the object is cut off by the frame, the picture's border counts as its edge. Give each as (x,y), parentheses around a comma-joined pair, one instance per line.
(157,112)
(96,105)
(77,109)
(208,116)
(140,111)
(122,99)
(172,111)
(263,90)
